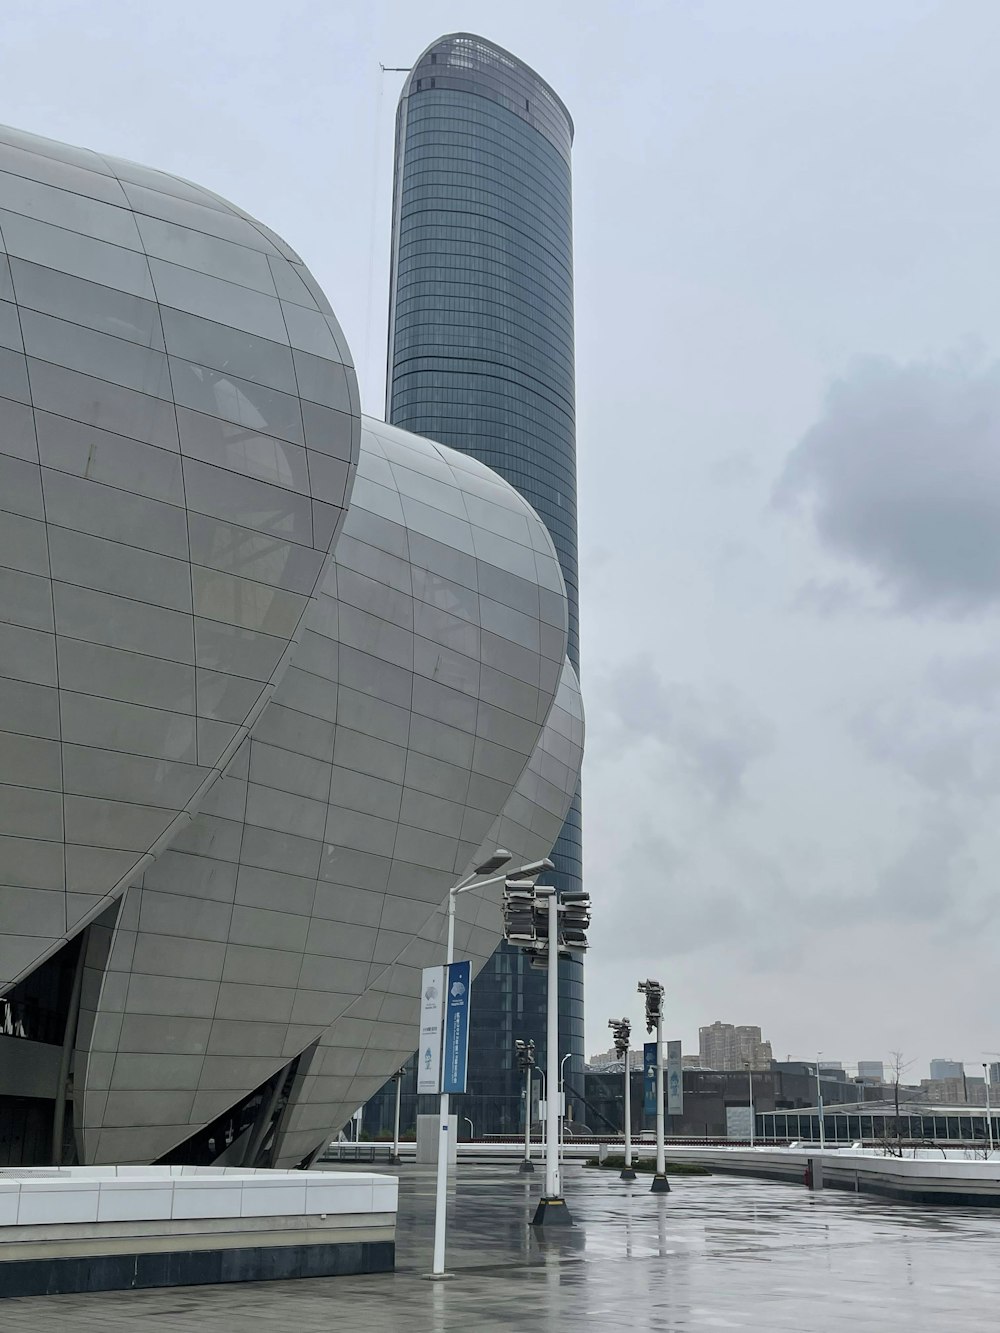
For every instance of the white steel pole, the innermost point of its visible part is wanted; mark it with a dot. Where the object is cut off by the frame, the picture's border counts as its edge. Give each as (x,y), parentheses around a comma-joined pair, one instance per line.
(395,1131)
(441,1195)
(552,1182)
(752,1116)
(661,1165)
(819,1107)
(628,1113)
(989,1113)
(627,1172)
(541,1121)
(527,1164)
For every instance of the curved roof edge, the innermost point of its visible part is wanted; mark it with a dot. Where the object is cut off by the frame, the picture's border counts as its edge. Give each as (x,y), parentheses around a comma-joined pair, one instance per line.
(500,51)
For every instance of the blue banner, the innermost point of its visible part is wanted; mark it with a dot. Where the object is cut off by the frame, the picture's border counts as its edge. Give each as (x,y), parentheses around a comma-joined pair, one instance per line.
(649,1078)
(456,1027)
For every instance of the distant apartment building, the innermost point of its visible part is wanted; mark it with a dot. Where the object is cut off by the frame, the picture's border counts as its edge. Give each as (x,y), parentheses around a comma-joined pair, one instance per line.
(963,1091)
(871,1071)
(946,1069)
(606,1059)
(725,1046)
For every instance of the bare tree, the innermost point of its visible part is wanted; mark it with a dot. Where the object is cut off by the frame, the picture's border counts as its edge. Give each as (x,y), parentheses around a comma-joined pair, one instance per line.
(892,1145)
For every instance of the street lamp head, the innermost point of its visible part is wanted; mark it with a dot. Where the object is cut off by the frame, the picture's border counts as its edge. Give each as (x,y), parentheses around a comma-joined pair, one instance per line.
(499,858)
(535,867)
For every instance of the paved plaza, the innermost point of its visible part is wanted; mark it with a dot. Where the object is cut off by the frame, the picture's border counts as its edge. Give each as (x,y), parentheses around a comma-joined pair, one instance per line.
(716,1253)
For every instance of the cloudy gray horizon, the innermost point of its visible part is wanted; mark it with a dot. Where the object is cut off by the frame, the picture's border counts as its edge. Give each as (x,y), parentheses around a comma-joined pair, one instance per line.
(788,362)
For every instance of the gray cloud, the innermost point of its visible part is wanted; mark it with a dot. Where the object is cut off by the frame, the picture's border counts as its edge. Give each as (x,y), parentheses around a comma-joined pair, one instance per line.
(972,681)
(942,730)
(902,473)
(928,881)
(686,905)
(708,732)
(734,471)
(942,751)
(827,597)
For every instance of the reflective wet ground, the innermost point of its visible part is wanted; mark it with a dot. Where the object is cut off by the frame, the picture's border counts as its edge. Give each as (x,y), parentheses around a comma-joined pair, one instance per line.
(715,1253)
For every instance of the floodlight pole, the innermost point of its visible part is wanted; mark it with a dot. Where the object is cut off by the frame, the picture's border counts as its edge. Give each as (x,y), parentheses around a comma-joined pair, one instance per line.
(628,1170)
(552,1173)
(395,1131)
(819,1106)
(660,1183)
(753,1117)
(989,1111)
(552,1206)
(527,1166)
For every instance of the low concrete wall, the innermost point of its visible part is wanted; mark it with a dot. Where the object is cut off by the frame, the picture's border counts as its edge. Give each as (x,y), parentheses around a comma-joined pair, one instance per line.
(929,1178)
(101,1228)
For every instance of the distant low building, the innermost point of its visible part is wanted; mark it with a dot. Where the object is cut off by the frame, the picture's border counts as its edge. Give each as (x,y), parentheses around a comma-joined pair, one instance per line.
(871,1071)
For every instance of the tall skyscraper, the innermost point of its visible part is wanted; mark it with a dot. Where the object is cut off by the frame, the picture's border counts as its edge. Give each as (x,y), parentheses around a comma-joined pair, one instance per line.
(481,358)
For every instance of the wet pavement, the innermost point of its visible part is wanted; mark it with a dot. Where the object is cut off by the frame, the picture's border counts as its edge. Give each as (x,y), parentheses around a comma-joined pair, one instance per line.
(716,1253)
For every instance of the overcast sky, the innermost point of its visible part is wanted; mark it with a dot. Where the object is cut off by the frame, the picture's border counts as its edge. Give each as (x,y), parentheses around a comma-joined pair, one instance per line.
(787,239)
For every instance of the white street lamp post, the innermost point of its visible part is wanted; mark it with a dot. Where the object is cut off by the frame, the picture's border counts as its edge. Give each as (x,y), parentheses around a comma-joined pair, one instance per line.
(989,1110)
(752,1115)
(562,1103)
(474,881)
(395,1131)
(544,1099)
(526,1165)
(628,1172)
(819,1106)
(526,1059)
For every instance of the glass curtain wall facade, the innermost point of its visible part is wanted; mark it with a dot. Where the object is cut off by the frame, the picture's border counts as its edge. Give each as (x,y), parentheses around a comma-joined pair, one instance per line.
(481,357)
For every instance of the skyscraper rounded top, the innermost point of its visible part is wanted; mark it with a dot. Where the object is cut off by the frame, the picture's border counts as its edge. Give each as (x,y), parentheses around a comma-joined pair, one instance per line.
(471,64)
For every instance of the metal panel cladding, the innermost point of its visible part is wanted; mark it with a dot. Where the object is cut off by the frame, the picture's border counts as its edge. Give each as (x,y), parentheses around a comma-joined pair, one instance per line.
(481,343)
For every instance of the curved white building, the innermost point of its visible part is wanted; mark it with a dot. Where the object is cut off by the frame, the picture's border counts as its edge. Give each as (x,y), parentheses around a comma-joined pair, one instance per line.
(271,680)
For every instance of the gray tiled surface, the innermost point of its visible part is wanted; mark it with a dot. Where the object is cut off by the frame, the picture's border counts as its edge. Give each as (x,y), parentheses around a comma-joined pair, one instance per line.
(159,527)
(714,1254)
(251,745)
(375,1035)
(373,780)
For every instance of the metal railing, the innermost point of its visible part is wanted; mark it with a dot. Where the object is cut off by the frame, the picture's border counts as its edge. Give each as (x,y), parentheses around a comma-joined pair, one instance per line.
(359,1152)
(26,1019)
